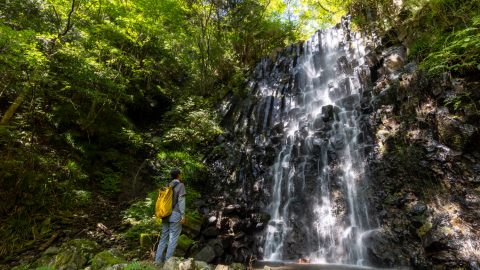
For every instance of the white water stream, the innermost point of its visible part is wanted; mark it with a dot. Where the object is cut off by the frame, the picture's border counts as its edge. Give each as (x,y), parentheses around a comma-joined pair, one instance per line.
(327,73)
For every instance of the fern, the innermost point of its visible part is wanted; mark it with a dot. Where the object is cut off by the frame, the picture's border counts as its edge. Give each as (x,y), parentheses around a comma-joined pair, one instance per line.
(460,52)
(137,266)
(134,266)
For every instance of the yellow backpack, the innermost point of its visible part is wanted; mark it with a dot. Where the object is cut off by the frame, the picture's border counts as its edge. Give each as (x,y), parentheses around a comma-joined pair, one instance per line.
(164,205)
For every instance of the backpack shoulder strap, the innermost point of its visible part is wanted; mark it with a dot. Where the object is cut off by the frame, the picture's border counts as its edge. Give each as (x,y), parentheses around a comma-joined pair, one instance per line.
(175,195)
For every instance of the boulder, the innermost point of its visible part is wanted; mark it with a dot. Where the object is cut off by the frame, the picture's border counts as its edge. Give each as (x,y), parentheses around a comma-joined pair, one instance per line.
(237,266)
(438,238)
(206,254)
(329,112)
(211,231)
(349,102)
(188,264)
(105,259)
(394,58)
(217,246)
(381,249)
(183,246)
(344,66)
(172,264)
(418,209)
(74,254)
(202,265)
(453,132)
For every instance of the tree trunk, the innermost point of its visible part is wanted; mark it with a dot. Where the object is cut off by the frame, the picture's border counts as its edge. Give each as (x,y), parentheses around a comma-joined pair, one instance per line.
(13,108)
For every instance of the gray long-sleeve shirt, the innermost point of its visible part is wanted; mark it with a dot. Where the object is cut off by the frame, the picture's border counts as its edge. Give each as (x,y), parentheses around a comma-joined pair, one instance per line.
(178,210)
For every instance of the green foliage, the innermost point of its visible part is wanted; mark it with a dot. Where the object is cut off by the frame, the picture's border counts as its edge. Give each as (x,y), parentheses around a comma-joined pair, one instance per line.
(422,231)
(138,266)
(150,226)
(134,266)
(105,259)
(190,164)
(191,197)
(109,181)
(311,15)
(82,197)
(93,81)
(443,35)
(140,217)
(191,124)
(460,52)
(184,242)
(374,15)
(460,102)
(141,210)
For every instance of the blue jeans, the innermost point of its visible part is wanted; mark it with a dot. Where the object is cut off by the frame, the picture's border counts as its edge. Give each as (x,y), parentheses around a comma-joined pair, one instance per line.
(170,234)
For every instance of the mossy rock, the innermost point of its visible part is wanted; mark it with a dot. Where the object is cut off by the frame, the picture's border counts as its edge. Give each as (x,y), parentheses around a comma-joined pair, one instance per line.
(105,259)
(422,231)
(183,245)
(453,132)
(143,265)
(237,266)
(148,240)
(193,225)
(202,265)
(74,254)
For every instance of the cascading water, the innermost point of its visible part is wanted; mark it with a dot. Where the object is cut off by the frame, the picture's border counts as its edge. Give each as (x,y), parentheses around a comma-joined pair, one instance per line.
(318,176)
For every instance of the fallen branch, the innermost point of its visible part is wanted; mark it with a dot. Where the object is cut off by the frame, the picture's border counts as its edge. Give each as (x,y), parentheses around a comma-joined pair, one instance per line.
(49,242)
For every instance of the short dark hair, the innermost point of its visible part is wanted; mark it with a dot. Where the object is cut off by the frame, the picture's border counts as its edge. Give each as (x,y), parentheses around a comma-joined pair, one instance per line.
(174,173)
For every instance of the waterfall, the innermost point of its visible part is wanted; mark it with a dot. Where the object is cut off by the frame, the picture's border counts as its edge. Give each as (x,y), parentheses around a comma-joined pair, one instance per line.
(318,208)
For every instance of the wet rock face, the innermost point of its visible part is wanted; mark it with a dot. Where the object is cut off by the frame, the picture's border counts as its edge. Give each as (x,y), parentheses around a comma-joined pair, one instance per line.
(422,160)
(423,169)
(306,111)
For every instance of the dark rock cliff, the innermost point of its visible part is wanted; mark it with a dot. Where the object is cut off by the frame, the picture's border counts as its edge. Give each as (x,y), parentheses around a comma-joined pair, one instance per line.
(421,142)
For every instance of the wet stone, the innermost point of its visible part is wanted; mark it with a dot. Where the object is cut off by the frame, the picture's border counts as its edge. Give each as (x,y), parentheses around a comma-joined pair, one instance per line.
(418,209)
(327,113)
(210,231)
(338,141)
(317,61)
(349,102)
(318,81)
(278,128)
(318,123)
(276,139)
(300,79)
(316,104)
(293,112)
(344,66)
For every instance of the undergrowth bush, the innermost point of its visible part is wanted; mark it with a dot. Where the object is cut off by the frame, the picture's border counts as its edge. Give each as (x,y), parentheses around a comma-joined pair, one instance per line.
(442,35)
(192,123)
(189,163)
(458,52)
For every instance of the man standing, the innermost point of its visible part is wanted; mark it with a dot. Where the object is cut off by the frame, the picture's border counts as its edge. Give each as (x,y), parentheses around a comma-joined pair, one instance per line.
(172,225)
